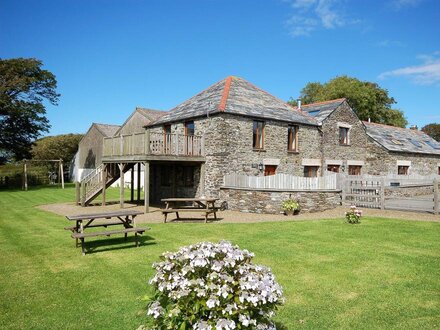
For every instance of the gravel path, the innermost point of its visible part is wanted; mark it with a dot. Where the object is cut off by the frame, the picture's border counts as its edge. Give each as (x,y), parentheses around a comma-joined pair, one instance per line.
(155,216)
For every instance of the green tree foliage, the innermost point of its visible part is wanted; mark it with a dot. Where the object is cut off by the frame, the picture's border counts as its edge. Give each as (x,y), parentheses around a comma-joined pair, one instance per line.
(367,99)
(56,147)
(433,130)
(24,85)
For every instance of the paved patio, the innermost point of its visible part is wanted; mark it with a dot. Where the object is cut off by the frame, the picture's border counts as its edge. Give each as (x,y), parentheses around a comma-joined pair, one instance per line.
(155,216)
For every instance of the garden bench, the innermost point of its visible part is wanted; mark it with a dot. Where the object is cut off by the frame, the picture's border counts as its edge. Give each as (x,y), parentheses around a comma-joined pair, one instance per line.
(206,206)
(108,233)
(126,218)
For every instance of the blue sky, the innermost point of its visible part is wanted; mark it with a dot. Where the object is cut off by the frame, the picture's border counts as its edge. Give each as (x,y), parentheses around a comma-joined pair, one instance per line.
(111,56)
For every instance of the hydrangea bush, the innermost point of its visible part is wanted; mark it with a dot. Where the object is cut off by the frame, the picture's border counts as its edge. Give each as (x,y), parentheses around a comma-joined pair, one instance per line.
(213,286)
(354,215)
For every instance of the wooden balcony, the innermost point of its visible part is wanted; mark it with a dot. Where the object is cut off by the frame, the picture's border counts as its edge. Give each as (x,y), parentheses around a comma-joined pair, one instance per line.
(153,146)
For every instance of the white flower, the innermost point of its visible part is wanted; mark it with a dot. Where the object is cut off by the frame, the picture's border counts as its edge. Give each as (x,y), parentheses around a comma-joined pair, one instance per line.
(212,302)
(225,324)
(202,325)
(155,309)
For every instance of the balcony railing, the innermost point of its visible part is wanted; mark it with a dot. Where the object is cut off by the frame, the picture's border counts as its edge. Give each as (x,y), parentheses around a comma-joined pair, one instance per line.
(154,144)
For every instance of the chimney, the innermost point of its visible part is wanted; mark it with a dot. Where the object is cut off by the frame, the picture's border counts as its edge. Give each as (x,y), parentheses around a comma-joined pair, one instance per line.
(299,104)
(369,119)
(414,127)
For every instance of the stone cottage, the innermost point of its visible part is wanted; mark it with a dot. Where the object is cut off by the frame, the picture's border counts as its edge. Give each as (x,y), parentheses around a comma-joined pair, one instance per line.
(235,127)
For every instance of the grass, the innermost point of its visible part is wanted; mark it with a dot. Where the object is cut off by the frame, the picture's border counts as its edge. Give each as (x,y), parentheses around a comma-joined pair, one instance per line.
(381,274)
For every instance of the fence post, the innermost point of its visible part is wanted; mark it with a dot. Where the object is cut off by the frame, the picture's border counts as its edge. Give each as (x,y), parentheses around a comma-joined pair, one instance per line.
(382,193)
(436,197)
(77,193)
(25,180)
(147,142)
(344,183)
(83,194)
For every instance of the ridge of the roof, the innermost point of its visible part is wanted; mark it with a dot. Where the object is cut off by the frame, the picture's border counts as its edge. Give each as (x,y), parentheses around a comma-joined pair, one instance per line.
(225,95)
(393,127)
(238,96)
(342,99)
(103,128)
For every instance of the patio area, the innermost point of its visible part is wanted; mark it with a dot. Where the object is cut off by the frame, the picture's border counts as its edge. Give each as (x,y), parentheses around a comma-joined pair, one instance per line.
(155,214)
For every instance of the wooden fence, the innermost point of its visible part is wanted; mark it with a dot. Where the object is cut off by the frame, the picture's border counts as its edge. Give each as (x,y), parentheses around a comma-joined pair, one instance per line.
(370,191)
(281,182)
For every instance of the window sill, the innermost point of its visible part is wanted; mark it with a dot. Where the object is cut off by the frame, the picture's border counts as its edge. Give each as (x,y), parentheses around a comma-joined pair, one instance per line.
(344,145)
(293,152)
(256,149)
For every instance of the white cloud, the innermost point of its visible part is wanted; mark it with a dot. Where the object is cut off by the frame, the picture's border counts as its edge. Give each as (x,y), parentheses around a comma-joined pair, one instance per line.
(311,15)
(428,73)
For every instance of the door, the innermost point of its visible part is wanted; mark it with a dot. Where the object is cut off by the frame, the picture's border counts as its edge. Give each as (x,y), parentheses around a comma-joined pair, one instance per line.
(269,170)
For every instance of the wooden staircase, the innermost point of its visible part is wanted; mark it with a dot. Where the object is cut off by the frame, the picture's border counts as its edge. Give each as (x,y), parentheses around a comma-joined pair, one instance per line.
(92,184)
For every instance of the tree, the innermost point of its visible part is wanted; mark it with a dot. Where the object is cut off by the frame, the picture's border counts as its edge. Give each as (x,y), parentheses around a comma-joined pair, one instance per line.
(24,85)
(368,100)
(56,147)
(433,130)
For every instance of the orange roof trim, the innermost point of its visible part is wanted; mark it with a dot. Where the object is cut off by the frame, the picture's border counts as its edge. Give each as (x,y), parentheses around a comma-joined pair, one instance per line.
(224,99)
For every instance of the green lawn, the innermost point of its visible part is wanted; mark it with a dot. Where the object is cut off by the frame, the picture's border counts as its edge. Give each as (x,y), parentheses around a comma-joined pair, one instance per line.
(379,274)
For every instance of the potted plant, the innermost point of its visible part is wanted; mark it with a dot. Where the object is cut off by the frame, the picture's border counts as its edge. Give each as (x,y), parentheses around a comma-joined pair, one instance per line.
(290,207)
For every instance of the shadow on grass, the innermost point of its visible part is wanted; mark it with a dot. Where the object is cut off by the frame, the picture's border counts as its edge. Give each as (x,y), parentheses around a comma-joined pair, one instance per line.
(280,326)
(117,243)
(192,220)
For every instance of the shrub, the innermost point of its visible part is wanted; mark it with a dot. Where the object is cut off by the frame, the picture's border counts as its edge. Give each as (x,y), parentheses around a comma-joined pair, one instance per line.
(290,206)
(212,286)
(354,215)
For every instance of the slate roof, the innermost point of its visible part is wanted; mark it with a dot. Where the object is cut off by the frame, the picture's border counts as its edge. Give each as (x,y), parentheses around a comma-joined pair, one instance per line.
(402,139)
(322,110)
(236,96)
(106,130)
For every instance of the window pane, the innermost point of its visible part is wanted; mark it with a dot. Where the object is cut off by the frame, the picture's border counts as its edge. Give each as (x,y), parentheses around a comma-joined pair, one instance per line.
(354,170)
(292,133)
(257,140)
(311,171)
(402,170)
(343,135)
(189,128)
(333,168)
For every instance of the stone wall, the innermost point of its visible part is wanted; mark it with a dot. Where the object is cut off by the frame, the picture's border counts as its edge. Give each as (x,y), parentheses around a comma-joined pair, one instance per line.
(332,150)
(269,201)
(409,191)
(381,162)
(228,147)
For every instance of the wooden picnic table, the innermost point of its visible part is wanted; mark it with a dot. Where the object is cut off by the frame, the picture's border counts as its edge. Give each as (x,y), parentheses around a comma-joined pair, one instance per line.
(202,204)
(126,218)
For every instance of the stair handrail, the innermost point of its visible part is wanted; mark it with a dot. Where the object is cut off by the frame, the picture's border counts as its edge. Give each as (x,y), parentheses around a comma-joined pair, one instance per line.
(93,173)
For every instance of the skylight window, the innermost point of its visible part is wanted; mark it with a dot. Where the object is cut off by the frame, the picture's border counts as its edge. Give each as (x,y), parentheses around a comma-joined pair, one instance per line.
(432,144)
(398,142)
(314,112)
(415,142)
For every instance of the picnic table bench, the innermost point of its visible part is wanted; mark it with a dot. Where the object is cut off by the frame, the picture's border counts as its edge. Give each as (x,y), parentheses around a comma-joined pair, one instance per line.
(205,206)
(126,218)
